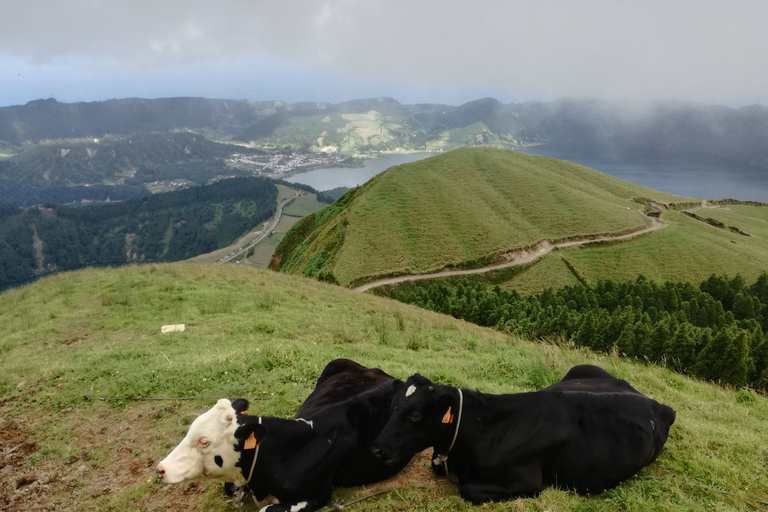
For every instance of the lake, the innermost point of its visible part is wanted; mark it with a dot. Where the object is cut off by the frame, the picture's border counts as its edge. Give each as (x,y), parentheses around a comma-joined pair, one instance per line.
(701,177)
(333,177)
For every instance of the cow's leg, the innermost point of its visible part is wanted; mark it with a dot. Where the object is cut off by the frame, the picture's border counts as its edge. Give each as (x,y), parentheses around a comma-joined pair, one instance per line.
(481,492)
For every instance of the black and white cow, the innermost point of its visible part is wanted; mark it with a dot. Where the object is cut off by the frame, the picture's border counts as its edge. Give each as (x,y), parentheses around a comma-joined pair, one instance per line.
(587,433)
(293,464)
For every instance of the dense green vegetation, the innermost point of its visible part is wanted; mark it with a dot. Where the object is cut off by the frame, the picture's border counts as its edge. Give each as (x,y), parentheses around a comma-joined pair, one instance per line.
(165,227)
(715,330)
(73,338)
(428,215)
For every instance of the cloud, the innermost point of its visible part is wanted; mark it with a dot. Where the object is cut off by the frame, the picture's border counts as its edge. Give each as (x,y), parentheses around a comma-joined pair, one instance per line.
(705,50)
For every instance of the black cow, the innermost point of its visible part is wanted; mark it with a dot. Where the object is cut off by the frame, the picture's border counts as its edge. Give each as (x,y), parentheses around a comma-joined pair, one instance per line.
(587,433)
(293,464)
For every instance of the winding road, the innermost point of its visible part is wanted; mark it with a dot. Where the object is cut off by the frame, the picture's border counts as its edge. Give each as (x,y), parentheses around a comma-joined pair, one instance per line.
(264,234)
(514,258)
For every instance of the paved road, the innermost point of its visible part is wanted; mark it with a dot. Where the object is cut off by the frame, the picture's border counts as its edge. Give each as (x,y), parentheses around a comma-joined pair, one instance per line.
(514,258)
(264,234)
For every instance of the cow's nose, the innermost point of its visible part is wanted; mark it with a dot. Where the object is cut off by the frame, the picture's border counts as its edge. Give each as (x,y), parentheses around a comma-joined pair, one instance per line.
(377,451)
(160,471)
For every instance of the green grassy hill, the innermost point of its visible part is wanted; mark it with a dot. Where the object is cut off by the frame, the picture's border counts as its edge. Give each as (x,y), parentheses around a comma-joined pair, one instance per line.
(70,340)
(463,208)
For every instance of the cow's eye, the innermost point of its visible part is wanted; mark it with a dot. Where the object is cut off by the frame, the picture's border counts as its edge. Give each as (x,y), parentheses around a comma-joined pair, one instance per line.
(415,416)
(203,443)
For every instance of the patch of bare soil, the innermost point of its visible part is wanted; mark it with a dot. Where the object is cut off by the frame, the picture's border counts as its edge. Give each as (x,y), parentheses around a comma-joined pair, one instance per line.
(418,473)
(107,456)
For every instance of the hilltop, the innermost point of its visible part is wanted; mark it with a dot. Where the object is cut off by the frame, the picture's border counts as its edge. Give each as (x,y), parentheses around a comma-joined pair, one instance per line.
(75,338)
(465,208)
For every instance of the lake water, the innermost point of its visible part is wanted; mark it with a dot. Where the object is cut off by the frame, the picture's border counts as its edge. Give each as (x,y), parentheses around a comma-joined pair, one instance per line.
(333,177)
(701,177)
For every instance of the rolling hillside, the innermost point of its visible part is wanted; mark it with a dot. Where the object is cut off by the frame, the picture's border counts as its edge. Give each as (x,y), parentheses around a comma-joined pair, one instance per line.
(80,350)
(464,208)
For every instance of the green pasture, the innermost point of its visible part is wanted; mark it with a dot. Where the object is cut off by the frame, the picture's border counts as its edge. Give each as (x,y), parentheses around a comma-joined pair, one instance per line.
(685,249)
(72,339)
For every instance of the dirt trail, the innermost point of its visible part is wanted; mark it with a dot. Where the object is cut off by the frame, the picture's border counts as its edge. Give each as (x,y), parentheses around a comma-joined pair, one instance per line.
(514,258)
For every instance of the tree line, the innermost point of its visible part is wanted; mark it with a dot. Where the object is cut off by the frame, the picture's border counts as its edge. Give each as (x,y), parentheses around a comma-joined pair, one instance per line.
(165,227)
(714,331)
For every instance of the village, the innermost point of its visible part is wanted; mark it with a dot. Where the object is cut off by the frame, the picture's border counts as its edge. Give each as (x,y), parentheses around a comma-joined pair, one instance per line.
(282,165)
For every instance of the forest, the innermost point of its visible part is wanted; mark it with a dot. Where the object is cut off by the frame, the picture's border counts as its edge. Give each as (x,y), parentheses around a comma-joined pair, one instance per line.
(165,227)
(714,331)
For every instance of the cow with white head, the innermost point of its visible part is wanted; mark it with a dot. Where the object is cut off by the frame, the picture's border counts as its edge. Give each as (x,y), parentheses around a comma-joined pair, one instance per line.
(293,464)
(213,446)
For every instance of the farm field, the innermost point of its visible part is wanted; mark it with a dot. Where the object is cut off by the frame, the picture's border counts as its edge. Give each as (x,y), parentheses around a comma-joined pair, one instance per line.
(73,339)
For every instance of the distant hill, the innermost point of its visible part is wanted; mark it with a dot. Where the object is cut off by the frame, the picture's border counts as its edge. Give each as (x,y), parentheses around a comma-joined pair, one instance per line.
(48,152)
(114,167)
(165,227)
(464,208)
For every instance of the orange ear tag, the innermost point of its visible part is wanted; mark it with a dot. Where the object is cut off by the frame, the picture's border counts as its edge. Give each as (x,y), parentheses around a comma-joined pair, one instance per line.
(250,443)
(448,418)
(244,413)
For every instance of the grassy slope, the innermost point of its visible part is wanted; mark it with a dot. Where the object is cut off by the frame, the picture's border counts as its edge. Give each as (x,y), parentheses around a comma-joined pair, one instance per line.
(265,335)
(474,203)
(685,250)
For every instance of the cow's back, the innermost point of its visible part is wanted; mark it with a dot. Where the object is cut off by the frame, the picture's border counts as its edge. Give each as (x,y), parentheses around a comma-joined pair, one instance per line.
(340,380)
(604,437)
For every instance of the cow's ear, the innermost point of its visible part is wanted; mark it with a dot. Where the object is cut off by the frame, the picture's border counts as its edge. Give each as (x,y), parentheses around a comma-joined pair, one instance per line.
(240,405)
(251,435)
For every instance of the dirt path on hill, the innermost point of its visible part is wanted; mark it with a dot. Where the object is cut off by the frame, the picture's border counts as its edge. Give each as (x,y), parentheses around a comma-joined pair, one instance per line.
(514,258)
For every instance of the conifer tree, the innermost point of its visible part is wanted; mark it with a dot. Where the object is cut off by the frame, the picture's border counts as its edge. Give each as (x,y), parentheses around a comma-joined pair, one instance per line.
(625,344)
(681,348)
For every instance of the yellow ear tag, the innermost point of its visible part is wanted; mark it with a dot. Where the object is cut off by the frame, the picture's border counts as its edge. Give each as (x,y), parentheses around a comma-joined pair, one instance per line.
(250,443)
(244,413)
(448,418)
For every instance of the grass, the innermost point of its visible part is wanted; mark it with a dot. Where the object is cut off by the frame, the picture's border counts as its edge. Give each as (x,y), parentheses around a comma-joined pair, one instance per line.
(470,204)
(684,250)
(70,339)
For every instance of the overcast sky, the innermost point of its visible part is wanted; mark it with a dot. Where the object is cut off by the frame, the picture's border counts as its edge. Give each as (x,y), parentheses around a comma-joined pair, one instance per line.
(446,51)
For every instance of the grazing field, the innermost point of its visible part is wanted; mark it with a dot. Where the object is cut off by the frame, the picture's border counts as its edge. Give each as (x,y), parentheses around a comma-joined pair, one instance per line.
(76,338)
(464,207)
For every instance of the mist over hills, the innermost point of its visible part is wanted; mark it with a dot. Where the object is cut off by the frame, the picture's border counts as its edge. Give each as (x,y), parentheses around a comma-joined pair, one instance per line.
(606,127)
(59,152)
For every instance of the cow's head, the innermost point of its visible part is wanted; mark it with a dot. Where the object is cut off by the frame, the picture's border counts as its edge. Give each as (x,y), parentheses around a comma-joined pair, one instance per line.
(212,447)
(420,417)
